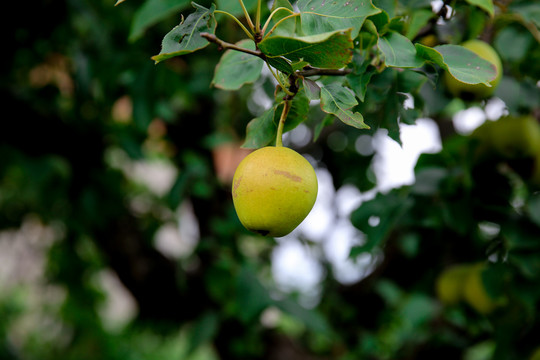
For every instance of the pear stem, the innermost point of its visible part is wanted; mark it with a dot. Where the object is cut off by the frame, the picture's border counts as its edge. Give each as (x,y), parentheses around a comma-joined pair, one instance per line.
(284,113)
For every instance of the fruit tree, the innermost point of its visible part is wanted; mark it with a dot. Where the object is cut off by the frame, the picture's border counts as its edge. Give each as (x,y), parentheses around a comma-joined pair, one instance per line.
(202,180)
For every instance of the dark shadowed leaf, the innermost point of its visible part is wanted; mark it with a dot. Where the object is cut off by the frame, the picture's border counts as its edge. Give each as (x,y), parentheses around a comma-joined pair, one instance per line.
(151,12)
(399,51)
(376,218)
(186,37)
(261,130)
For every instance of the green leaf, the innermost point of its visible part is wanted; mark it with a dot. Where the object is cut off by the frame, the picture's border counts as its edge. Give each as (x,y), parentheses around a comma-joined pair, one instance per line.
(486,5)
(233,7)
(417,21)
(359,82)
(312,90)
(297,113)
(513,44)
(338,100)
(326,121)
(203,331)
(310,318)
(329,50)
(319,16)
(281,64)
(236,68)
(287,26)
(186,37)
(381,21)
(529,10)
(533,208)
(388,6)
(361,75)
(462,63)
(261,130)
(152,12)
(376,218)
(252,297)
(399,51)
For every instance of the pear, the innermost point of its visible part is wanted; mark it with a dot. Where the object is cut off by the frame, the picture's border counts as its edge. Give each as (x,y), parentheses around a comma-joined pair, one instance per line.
(450,283)
(273,190)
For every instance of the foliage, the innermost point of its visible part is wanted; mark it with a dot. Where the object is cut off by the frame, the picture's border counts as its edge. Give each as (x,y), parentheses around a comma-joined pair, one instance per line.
(96,115)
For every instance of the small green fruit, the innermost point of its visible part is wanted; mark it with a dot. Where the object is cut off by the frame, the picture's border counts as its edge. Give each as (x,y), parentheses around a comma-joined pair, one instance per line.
(450,284)
(510,137)
(475,293)
(274,189)
(476,91)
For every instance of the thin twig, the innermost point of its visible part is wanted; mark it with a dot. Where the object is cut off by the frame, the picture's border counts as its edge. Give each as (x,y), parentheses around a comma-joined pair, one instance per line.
(223,45)
(310,71)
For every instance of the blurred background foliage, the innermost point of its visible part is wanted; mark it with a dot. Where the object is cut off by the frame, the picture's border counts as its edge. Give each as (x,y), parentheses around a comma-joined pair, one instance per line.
(119,240)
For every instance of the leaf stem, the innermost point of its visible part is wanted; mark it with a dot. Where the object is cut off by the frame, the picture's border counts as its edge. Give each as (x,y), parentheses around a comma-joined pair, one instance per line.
(272,15)
(284,87)
(248,18)
(237,21)
(258,17)
(279,22)
(281,125)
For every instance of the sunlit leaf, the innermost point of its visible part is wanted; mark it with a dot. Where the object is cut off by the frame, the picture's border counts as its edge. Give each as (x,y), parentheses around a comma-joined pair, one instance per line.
(319,16)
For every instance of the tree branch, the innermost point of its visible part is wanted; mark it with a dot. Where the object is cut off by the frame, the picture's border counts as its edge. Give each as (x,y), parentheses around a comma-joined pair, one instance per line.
(223,45)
